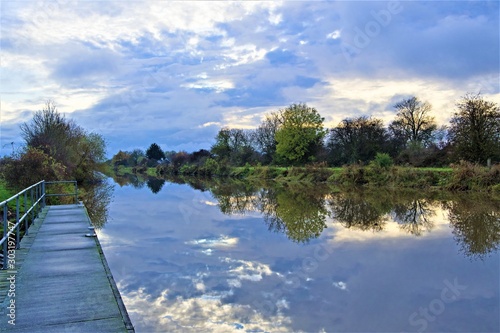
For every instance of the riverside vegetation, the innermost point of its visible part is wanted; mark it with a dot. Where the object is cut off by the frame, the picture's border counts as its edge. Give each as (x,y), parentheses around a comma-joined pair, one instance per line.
(291,145)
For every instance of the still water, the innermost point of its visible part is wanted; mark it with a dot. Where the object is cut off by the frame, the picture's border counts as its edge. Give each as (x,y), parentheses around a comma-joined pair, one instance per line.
(241,258)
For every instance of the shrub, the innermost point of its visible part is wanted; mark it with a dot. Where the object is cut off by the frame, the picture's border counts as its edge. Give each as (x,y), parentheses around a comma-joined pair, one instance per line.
(467,176)
(382,160)
(31,167)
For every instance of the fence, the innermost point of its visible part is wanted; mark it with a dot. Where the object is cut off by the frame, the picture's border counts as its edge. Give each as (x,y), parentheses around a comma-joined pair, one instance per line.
(32,199)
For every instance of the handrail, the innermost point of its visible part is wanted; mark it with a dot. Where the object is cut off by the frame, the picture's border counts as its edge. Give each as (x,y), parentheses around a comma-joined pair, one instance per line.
(37,198)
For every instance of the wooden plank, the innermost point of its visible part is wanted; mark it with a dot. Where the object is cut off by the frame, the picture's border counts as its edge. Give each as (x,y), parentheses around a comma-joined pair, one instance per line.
(63,283)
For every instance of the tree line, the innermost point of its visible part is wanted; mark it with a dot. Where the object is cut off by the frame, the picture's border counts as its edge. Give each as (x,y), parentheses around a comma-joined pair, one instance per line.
(296,136)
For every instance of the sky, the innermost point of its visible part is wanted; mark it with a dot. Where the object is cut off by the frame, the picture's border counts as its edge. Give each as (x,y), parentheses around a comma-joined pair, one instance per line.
(175,72)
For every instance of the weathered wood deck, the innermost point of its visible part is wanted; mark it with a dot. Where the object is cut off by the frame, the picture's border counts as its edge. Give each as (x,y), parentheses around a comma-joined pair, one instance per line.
(63,282)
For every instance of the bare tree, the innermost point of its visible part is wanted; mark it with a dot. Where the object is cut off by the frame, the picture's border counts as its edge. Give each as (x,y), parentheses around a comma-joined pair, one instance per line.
(414,120)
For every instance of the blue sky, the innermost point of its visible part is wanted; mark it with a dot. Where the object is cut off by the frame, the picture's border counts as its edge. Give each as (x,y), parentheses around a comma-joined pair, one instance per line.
(174,73)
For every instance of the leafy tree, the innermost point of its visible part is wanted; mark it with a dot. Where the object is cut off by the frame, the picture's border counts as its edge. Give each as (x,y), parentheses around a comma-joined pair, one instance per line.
(475,129)
(300,134)
(199,157)
(179,159)
(137,157)
(221,148)
(120,158)
(414,121)
(80,152)
(233,146)
(154,152)
(356,140)
(265,136)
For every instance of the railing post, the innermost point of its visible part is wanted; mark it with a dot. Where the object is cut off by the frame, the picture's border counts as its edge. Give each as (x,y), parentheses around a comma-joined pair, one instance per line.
(18,236)
(26,217)
(5,231)
(32,205)
(76,193)
(43,194)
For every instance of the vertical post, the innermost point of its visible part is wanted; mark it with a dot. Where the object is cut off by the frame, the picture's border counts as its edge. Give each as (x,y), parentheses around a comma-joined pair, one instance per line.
(43,193)
(76,193)
(18,236)
(5,231)
(32,205)
(26,217)
(36,199)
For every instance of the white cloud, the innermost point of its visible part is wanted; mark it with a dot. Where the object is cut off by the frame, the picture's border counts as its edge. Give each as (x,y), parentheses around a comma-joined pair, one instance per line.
(334,34)
(201,314)
(166,65)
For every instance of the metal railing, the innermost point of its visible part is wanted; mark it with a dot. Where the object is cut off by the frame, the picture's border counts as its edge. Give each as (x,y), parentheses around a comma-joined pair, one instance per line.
(33,200)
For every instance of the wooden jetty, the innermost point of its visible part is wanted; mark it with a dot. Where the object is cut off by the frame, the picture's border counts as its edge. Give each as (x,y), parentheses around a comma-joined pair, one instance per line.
(62,280)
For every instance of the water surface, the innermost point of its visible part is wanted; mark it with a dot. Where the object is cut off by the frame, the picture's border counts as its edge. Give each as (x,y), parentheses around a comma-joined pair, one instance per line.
(240,258)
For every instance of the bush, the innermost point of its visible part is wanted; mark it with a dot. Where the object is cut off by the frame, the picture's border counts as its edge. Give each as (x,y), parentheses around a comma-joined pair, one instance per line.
(353,174)
(31,167)
(467,176)
(382,160)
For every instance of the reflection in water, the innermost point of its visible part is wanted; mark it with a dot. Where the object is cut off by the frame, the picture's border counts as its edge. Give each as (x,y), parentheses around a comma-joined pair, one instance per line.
(96,199)
(346,256)
(300,214)
(137,181)
(476,225)
(300,211)
(414,216)
(155,184)
(358,210)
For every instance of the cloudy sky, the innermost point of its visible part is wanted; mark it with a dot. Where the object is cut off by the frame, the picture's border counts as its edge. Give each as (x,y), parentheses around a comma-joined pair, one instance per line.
(175,72)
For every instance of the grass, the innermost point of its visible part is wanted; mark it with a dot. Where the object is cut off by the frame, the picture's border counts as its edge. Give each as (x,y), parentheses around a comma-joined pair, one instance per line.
(5,193)
(461,177)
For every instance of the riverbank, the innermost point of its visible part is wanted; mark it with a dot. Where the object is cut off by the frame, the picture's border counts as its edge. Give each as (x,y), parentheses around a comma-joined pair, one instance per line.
(460,177)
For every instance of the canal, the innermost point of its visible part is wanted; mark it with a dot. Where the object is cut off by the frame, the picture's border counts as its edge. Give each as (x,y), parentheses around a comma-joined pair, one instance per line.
(217,257)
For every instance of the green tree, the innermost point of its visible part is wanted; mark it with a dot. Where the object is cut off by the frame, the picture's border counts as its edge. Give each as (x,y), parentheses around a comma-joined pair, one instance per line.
(80,152)
(265,136)
(356,140)
(233,146)
(300,135)
(475,129)
(120,158)
(221,148)
(154,152)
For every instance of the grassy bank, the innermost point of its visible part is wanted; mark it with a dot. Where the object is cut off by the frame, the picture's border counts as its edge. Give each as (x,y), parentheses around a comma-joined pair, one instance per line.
(459,178)
(5,193)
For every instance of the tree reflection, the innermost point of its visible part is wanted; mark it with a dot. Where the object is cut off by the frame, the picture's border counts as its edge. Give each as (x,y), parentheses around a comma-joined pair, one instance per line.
(234,197)
(96,199)
(298,213)
(359,211)
(476,225)
(130,179)
(155,184)
(414,216)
